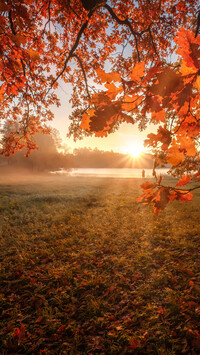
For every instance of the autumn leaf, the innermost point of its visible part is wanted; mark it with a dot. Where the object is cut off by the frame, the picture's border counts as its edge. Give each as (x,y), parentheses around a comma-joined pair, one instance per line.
(197,83)
(138,72)
(189,50)
(184,196)
(108,77)
(85,123)
(33,54)
(161,199)
(187,144)
(4,7)
(185,179)
(147,185)
(159,116)
(130,103)
(173,195)
(163,136)
(175,156)
(167,82)
(113,90)
(186,70)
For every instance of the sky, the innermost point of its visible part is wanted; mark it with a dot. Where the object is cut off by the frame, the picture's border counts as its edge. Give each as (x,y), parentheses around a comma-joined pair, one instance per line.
(120,141)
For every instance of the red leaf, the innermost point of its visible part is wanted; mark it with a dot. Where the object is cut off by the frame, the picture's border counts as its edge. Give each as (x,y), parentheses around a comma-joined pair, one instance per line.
(17,333)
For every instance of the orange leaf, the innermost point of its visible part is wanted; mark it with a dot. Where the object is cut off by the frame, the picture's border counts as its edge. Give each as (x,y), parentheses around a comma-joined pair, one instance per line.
(137,72)
(185,70)
(33,54)
(187,144)
(184,180)
(85,123)
(185,196)
(197,83)
(158,116)
(146,185)
(113,90)
(174,155)
(130,103)
(173,195)
(108,77)
(188,49)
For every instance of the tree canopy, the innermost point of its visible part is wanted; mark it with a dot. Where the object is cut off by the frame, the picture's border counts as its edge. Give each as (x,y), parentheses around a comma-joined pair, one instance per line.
(128,61)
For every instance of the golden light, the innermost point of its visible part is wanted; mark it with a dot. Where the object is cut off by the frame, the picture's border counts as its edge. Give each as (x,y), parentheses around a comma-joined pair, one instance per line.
(135,149)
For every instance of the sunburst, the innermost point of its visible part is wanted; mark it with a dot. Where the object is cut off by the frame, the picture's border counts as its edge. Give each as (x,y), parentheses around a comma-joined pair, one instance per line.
(135,149)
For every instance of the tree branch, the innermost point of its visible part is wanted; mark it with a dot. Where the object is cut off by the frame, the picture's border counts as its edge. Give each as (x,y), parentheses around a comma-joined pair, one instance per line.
(127,23)
(81,31)
(177,190)
(11,23)
(83,70)
(154,46)
(14,33)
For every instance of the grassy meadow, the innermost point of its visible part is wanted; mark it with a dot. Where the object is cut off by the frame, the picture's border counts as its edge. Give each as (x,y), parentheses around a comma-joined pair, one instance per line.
(85,269)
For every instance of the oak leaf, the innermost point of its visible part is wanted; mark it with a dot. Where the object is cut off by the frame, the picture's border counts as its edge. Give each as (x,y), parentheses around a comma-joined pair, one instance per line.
(137,72)
(197,83)
(184,196)
(33,54)
(185,179)
(108,77)
(175,156)
(113,90)
(130,103)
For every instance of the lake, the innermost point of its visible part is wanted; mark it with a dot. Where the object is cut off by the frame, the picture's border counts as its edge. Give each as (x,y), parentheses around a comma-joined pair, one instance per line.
(108,172)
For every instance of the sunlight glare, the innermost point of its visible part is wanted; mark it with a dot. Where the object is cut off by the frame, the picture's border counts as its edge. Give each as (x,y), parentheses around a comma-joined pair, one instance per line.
(135,149)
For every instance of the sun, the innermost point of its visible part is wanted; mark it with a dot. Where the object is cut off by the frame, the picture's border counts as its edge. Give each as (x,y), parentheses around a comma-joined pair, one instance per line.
(135,149)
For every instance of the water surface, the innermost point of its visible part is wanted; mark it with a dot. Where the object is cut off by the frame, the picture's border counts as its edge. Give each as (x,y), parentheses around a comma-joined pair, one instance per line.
(118,173)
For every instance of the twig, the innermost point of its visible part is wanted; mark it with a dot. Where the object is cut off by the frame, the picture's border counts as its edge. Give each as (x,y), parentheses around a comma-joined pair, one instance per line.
(83,70)
(81,31)
(127,23)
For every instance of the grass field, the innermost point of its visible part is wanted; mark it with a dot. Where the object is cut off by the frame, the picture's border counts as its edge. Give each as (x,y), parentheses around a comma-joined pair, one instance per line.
(86,270)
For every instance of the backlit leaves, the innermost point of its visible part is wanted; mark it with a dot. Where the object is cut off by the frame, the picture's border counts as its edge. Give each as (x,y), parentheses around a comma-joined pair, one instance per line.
(119,58)
(138,72)
(108,77)
(175,155)
(160,195)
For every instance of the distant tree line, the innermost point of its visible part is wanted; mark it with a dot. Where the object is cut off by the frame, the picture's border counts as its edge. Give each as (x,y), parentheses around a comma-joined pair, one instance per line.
(50,156)
(94,158)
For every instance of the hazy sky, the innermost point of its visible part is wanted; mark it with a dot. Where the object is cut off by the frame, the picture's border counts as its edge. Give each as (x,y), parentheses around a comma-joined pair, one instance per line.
(120,141)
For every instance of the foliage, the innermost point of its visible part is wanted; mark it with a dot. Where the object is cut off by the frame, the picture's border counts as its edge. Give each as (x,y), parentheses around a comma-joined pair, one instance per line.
(128,61)
(76,280)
